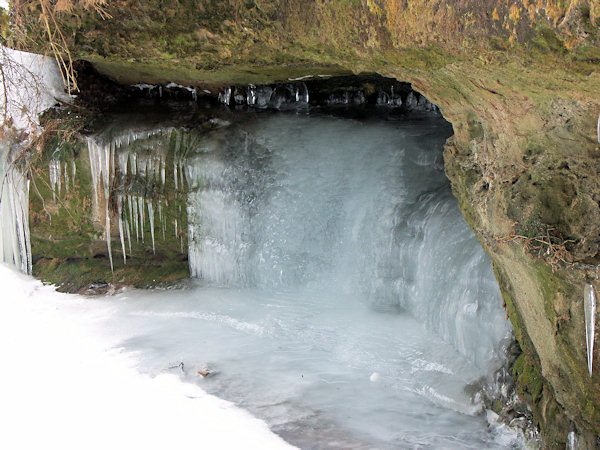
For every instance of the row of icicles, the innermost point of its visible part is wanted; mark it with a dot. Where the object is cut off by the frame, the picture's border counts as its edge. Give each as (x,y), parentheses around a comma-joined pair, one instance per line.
(131,209)
(15,244)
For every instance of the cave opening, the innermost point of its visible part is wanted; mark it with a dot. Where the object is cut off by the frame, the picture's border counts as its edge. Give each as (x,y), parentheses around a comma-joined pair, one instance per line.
(336,291)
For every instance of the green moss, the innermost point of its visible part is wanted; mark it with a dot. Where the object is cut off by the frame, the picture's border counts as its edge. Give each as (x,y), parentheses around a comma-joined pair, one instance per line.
(474,127)
(553,199)
(129,72)
(529,380)
(512,315)
(549,285)
(546,41)
(69,248)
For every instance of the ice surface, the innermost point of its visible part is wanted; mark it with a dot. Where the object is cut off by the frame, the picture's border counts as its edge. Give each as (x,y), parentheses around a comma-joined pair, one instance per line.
(66,387)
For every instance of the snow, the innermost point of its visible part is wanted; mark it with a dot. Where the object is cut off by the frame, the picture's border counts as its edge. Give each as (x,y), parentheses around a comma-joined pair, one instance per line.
(64,387)
(32,82)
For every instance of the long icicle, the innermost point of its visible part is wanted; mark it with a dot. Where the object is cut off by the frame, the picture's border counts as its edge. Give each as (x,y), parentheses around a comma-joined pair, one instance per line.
(133,204)
(589,304)
(142,215)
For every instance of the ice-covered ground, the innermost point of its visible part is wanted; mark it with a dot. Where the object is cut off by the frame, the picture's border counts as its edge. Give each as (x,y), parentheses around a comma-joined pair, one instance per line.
(61,387)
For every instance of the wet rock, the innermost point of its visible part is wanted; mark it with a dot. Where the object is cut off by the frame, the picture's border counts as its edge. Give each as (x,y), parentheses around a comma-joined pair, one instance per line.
(238,96)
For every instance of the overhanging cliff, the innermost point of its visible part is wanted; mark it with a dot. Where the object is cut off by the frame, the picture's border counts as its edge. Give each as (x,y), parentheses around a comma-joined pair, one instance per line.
(518,80)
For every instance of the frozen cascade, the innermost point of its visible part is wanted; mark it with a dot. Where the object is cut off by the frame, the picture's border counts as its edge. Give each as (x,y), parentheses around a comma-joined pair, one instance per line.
(341,297)
(14,209)
(281,216)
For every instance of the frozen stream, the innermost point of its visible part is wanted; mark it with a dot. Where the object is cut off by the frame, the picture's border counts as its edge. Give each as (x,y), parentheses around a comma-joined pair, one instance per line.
(340,296)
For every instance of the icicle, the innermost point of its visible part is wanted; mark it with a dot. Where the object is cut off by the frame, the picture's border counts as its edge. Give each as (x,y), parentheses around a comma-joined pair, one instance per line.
(195,94)
(25,240)
(302,93)
(251,95)
(54,174)
(175,174)
(157,166)
(112,167)
(73,171)
(160,91)
(176,228)
(181,174)
(140,204)
(572,441)
(133,206)
(162,171)
(225,96)
(141,166)
(121,236)
(123,157)
(151,218)
(66,179)
(589,304)
(133,162)
(101,171)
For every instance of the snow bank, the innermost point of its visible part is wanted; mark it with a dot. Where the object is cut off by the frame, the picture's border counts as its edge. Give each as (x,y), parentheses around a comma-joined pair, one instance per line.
(32,83)
(62,388)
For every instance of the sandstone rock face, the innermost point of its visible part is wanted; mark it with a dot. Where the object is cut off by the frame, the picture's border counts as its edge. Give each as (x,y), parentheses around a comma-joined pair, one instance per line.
(520,83)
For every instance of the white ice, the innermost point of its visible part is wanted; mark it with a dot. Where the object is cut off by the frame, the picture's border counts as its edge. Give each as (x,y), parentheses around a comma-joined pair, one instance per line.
(63,387)
(33,83)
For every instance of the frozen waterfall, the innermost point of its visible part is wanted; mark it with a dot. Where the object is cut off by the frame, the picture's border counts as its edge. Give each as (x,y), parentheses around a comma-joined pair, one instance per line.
(343,206)
(338,293)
